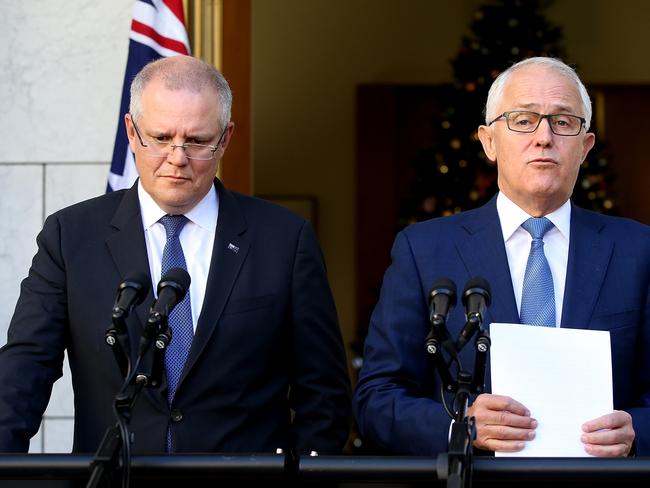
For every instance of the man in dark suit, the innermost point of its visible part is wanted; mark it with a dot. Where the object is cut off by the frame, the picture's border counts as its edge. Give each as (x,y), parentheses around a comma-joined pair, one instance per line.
(265,366)
(537,121)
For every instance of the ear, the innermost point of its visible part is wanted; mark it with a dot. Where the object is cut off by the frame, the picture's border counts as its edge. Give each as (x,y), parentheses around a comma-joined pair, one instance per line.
(130,132)
(487,140)
(227,135)
(587,143)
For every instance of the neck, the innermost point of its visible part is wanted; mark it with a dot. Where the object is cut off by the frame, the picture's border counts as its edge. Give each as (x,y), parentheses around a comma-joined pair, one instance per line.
(537,207)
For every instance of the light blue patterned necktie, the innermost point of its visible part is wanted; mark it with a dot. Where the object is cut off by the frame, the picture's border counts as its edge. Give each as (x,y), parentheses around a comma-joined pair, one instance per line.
(180,318)
(538,297)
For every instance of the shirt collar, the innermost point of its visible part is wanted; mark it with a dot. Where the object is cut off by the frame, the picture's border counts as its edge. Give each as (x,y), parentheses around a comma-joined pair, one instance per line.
(512,216)
(204,214)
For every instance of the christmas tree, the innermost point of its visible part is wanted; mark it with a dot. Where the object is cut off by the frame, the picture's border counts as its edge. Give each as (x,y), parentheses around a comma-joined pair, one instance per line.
(454,174)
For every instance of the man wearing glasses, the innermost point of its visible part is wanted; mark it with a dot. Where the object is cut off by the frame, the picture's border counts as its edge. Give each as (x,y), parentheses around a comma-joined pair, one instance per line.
(256,361)
(585,270)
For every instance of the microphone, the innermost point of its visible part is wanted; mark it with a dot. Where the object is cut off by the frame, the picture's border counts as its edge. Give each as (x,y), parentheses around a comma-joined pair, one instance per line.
(171,290)
(476,298)
(442,299)
(130,293)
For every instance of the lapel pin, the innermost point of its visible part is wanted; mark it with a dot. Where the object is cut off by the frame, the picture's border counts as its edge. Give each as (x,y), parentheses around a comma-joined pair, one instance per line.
(233,248)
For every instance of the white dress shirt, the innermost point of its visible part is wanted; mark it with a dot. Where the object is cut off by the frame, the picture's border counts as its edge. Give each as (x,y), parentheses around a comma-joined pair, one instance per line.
(517,241)
(197,240)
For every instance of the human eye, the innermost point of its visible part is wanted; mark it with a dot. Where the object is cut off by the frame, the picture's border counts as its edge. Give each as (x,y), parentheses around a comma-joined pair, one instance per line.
(563,121)
(523,119)
(196,142)
(161,139)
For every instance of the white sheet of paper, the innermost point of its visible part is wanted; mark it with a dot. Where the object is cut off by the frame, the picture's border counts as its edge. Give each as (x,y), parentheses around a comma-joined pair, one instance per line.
(563,376)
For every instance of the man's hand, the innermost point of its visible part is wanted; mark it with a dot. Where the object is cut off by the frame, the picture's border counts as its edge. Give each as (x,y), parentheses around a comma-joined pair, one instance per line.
(609,436)
(502,424)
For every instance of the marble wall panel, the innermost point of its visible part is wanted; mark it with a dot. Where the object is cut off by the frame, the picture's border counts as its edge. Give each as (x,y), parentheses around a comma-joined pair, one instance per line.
(61,79)
(66,184)
(57,435)
(21,212)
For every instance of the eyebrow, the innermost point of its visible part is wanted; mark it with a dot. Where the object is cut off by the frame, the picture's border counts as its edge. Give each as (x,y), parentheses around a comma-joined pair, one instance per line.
(165,133)
(556,108)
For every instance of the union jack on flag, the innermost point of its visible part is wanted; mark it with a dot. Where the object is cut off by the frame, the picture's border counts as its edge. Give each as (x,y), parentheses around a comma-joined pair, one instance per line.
(157,30)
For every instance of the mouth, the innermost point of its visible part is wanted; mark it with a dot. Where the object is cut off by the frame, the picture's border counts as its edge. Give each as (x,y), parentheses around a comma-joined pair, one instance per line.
(543,161)
(175,178)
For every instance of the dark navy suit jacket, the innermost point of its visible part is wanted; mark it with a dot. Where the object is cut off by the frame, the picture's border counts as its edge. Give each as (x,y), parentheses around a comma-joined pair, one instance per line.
(267,366)
(397,398)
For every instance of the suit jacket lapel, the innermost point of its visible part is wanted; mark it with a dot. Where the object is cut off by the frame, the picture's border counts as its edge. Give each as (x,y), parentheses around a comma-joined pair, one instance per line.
(589,256)
(483,252)
(228,255)
(129,251)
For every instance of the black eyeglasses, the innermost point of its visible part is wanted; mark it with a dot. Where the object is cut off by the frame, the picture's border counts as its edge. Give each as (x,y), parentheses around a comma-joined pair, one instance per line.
(161,147)
(527,122)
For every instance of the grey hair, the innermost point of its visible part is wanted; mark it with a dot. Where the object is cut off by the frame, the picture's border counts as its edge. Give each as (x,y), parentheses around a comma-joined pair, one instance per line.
(496,90)
(182,72)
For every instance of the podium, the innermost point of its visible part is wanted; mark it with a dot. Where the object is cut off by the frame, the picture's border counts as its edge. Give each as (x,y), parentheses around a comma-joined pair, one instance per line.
(190,470)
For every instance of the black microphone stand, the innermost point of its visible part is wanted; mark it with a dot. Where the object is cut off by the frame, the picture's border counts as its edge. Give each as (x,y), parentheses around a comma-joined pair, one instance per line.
(117,338)
(456,465)
(106,464)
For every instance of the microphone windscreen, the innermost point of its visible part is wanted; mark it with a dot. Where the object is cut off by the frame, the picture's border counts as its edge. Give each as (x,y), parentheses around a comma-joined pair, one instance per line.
(136,279)
(179,276)
(477,285)
(443,284)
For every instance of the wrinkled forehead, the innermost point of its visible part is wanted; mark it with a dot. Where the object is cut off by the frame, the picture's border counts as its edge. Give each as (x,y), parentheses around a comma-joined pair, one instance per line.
(167,110)
(158,95)
(161,83)
(540,89)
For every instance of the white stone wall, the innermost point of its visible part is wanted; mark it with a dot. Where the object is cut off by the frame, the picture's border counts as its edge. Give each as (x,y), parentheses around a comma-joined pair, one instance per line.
(61,68)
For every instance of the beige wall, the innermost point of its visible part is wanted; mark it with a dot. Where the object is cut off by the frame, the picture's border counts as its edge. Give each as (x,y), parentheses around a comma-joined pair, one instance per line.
(309,56)
(607,39)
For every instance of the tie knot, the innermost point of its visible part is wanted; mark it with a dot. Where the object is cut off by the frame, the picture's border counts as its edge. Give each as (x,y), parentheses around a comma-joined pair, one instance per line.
(537,226)
(173,224)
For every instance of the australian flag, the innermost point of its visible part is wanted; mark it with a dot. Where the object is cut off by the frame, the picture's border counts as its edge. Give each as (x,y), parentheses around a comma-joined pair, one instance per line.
(157,30)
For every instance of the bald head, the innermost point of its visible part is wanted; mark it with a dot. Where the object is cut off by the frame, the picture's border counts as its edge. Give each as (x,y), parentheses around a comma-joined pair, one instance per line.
(182,73)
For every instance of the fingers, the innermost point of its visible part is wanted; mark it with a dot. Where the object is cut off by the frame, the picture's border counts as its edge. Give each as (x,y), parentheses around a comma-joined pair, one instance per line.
(614,420)
(499,403)
(503,438)
(502,423)
(611,435)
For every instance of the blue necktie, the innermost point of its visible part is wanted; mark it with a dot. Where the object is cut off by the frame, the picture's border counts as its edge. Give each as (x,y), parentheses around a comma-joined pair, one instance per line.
(538,297)
(180,318)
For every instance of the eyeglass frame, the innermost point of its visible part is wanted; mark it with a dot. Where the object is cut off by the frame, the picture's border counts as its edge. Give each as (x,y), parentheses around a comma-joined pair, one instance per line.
(506,115)
(185,145)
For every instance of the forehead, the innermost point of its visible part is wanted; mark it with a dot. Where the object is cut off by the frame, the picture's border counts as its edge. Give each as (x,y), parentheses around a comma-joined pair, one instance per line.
(158,92)
(180,106)
(542,89)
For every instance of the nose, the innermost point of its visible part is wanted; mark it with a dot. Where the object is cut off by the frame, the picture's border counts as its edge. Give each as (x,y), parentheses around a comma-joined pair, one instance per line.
(543,135)
(176,155)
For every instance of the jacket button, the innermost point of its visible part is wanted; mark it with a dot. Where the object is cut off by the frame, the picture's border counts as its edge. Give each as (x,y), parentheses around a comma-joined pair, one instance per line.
(177,415)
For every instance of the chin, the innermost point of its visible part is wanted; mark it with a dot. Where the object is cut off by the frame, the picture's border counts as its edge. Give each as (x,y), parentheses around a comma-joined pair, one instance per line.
(175,205)
(544,184)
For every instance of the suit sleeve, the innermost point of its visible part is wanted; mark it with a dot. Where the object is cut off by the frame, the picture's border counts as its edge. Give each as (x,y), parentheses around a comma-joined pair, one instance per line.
(641,411)
(32,359)
(395,398)
(320,388)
